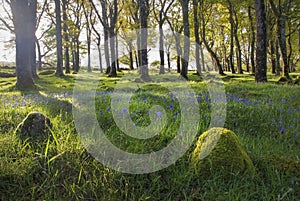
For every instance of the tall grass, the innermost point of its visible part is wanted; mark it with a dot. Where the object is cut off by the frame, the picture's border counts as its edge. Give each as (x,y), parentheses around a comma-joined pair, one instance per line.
(266,118)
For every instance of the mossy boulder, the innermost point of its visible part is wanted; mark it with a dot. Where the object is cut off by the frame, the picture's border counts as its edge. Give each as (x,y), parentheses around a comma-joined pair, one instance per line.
(35,127)
(219,151)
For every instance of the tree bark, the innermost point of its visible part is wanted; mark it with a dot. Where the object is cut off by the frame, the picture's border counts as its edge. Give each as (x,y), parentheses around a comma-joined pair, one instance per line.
(281,17)
(252,43)
(186,46)
(197,36)
(112,34)
(273,56)
(261,43)
(161,47)
(66,36)
(59,52)
(33,15)
(39,54)
(278,66)
(231,61)
(144,36)
(22,18)
(99,53)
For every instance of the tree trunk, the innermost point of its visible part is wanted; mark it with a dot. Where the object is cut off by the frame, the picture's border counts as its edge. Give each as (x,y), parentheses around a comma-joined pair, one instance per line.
(214,57)
(232,27)
(144,36)
(66,36)
(273,56)
(39,55)
(289,57)
(77,54)
(202,57)
(136,59)
(169,61)
(252,43)
(197,36)
(99,53)
(186,46)
(261,43)
(59,52)
(131,57)
(178,51)
(138,52)
(22,18)
(280,13)
(33,8)
(238,54)
(112,34)
(112,40)
(89,67)
(117,54)
(282,45)
(237,43)
(106,50)
(161,47)
(278,66)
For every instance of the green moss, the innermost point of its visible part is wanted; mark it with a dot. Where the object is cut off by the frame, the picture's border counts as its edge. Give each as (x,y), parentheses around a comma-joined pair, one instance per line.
(218,150)
(297,80)
(36,127)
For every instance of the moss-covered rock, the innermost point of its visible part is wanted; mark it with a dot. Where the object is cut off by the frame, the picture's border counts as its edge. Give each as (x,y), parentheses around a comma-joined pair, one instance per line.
(35,127)
(218,150)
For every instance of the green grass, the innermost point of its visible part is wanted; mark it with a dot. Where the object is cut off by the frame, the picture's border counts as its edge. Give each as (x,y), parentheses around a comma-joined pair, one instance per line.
(266,118)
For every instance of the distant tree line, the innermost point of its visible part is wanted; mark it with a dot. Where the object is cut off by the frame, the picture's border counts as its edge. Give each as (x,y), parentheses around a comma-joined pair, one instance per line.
(239,36)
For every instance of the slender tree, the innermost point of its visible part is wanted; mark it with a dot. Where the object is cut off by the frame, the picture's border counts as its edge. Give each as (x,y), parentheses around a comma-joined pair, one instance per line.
(261,42)
(280,13)
(197,35)
(176,26)
(66,36)
(186,30)
(163,7)
(144,12)
(59,51)
(252,39)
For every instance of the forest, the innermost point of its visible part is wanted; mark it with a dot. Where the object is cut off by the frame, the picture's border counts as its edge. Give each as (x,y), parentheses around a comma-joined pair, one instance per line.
(150,100)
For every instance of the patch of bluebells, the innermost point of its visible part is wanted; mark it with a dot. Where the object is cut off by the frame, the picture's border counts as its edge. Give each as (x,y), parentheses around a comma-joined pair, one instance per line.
(244,101)
(29,100)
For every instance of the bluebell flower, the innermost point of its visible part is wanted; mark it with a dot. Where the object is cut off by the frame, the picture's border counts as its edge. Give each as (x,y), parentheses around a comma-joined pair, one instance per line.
(282,130)
(158,114)
(293,182)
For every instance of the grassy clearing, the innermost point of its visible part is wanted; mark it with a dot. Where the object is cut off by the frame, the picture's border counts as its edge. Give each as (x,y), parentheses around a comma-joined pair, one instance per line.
(266,118)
